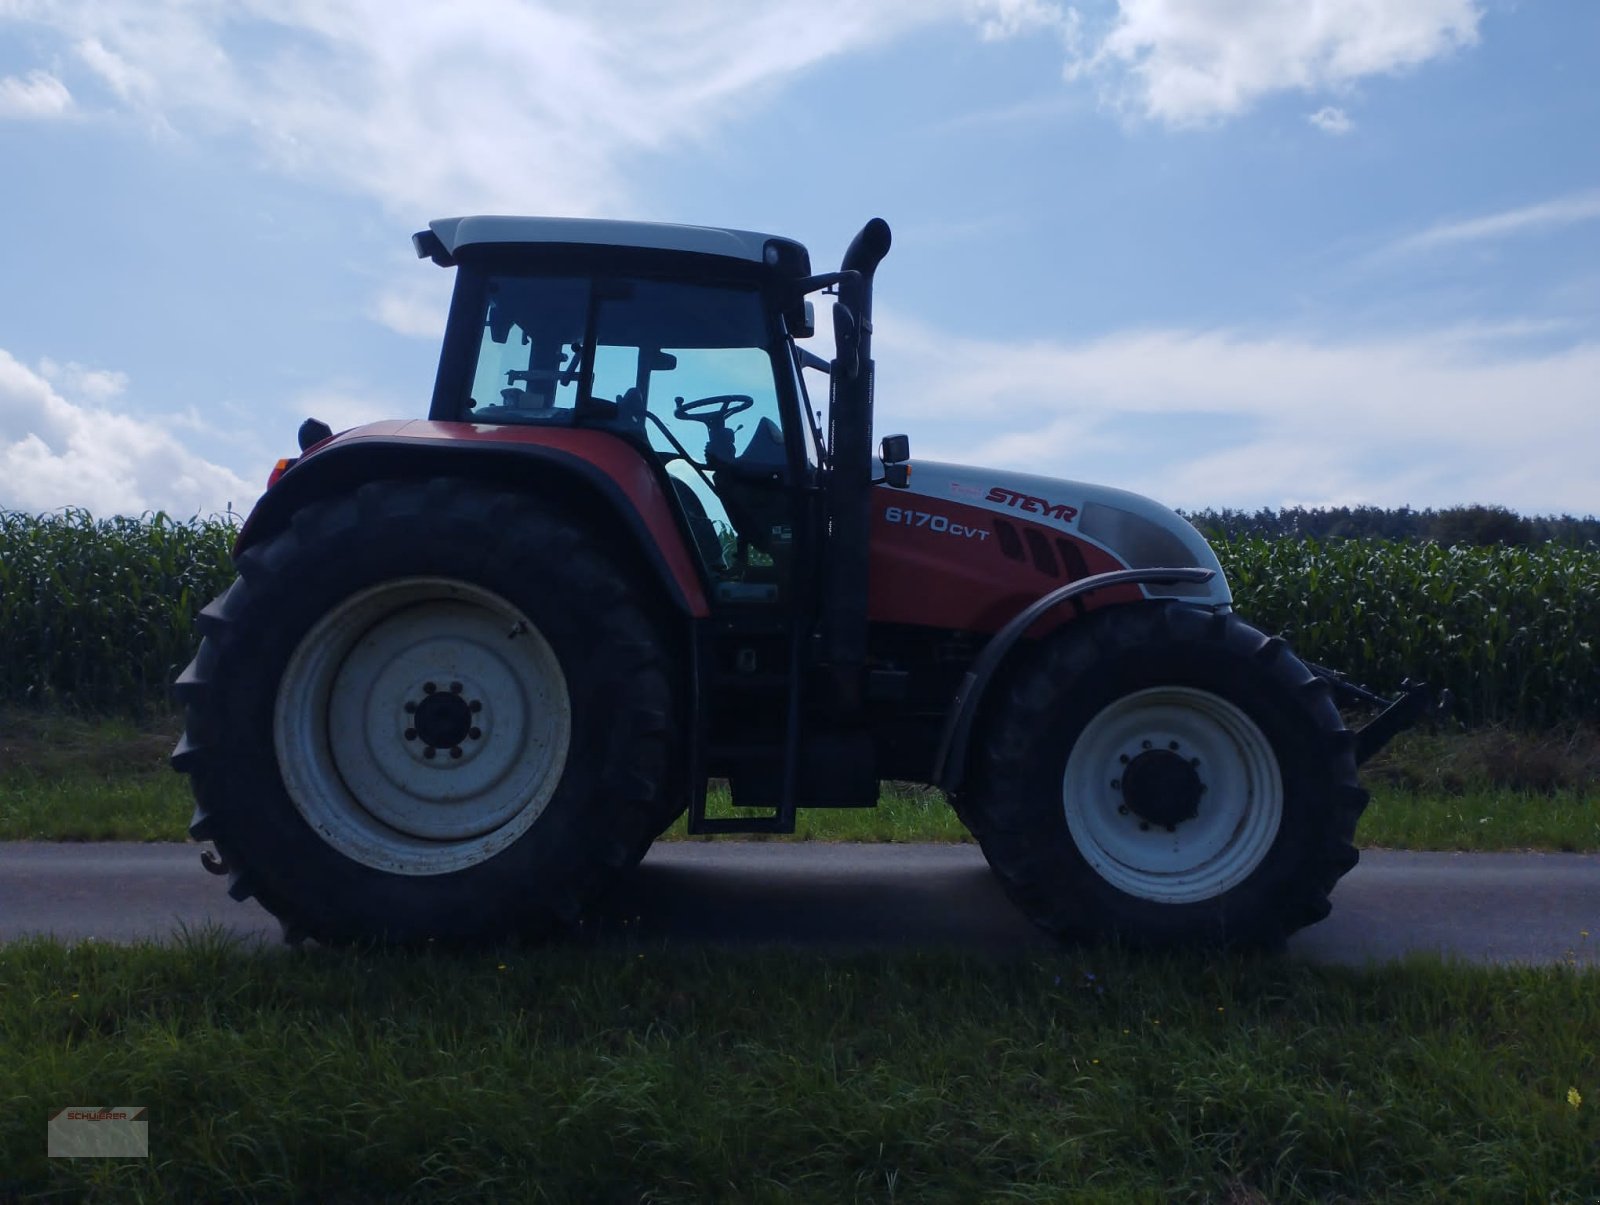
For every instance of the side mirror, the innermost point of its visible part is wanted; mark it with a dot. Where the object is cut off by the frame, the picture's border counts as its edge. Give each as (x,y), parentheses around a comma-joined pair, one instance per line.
(801,320)
(894,451)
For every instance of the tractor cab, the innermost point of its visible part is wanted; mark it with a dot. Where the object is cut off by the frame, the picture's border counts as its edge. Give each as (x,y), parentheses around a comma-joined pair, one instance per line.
(675,339)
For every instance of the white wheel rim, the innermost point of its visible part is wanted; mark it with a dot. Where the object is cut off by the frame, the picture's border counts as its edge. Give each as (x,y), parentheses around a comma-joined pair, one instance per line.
(383,676)
(1237,815)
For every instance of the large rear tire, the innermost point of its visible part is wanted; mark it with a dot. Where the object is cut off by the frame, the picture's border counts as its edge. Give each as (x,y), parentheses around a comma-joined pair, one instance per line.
(1166,775)
(428,710)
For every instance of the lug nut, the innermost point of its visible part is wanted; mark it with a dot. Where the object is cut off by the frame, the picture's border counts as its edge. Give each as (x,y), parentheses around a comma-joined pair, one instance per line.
(1124,759)
(1122,809)
(1116,784)
(1173,745)
(411,734)
(475,706)
(1144,826)
(474,733)
(455,751)
(455,689)
(1144,744)
(410,707)
(428,688)
(430,752)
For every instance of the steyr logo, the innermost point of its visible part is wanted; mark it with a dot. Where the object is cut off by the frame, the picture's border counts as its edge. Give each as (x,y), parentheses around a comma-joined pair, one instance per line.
(1039,506)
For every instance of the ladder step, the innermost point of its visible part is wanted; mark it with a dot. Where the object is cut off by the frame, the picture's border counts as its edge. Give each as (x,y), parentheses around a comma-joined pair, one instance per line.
(713,825)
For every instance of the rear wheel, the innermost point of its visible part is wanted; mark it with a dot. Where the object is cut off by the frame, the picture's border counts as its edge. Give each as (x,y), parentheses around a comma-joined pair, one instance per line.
(1166,775)
(428,710)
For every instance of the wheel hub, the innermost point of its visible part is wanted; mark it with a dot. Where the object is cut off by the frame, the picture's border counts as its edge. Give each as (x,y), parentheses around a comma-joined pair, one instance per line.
(1162,787)
(443,719)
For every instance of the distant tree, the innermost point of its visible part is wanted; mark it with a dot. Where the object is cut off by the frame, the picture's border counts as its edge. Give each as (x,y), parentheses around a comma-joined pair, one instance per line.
(1480,525)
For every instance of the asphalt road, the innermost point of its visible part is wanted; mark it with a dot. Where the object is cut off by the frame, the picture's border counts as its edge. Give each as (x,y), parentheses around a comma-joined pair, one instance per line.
(1529,908)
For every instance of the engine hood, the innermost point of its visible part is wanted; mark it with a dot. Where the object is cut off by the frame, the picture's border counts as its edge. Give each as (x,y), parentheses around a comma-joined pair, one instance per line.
(1136,531)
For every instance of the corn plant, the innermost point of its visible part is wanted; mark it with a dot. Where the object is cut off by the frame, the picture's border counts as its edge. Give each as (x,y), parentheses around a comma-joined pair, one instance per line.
(100,615)
(1514,633)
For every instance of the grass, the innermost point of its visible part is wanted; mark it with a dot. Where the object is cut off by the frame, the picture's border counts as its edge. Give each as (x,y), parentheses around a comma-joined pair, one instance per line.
(71,779)
(65,778)
(632,1074)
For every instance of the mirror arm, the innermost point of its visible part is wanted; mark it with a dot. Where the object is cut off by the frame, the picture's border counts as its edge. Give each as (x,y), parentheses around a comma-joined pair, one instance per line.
(811,284)
(810,359)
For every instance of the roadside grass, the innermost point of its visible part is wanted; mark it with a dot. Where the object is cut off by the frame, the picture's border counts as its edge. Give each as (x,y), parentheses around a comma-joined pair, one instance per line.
(686,1075)
(65,778)
(70,778)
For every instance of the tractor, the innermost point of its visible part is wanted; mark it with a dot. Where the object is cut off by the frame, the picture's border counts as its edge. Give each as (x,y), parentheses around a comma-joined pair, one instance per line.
(474,664)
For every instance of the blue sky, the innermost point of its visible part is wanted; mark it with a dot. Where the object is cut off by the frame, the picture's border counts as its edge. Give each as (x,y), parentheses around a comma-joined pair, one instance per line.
(1248,253)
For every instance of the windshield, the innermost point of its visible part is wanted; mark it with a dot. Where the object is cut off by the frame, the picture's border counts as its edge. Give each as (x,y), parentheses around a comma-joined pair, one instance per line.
(621,352)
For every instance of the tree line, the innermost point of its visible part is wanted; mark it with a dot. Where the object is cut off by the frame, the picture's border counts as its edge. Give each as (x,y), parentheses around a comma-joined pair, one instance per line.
(1478,526)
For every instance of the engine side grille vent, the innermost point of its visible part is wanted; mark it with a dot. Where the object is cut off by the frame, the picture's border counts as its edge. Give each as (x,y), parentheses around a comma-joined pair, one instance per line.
(1010,541)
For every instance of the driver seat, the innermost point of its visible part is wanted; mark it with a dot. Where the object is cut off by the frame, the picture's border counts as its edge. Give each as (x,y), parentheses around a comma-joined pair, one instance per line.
(749,486)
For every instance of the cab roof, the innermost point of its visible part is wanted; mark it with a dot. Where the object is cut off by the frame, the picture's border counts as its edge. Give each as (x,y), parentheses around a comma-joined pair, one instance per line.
(446,237)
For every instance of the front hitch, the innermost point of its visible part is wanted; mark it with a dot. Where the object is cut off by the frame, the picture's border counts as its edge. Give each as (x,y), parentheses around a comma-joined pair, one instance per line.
(1398,714)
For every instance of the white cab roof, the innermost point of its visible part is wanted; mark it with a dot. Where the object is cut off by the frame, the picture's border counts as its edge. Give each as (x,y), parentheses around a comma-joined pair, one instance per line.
(456,233)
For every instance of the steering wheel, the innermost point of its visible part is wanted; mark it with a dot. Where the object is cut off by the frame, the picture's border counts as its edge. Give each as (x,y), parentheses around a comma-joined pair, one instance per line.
(713,410)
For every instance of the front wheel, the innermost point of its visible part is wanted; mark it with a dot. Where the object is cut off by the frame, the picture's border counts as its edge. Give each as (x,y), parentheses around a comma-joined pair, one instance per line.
(1166,775)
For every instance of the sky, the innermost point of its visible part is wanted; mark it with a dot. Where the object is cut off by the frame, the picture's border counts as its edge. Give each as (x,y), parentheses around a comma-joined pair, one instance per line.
(1222,252)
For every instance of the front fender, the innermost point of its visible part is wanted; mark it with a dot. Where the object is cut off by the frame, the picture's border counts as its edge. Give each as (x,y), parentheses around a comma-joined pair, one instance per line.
(611,483)
(950,763)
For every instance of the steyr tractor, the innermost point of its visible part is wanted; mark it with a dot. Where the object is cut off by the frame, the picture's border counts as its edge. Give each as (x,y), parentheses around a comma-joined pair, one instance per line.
(474,664)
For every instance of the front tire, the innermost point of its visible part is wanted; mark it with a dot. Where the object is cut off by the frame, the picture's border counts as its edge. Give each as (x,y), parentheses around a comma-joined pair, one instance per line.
(1166,775)
(428,710)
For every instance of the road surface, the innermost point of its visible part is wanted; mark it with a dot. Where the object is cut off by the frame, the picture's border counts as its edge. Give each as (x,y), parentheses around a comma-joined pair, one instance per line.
(1527,908)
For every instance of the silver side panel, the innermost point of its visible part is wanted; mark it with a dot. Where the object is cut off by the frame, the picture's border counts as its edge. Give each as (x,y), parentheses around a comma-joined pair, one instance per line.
(1137,531)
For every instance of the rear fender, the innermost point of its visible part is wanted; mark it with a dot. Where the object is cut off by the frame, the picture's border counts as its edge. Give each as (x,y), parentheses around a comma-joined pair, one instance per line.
(604,478)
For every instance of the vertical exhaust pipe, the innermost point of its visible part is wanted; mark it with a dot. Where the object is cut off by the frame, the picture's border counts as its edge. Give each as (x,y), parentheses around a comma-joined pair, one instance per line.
(850,477)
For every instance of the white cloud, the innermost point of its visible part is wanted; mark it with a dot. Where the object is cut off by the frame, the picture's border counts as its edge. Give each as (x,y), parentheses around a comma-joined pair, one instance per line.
(128,82)
(476,106)
(1430,419)
(1560,211)
(58,452)
(1000,20)
(37,94)
(94,385)
(1331,120)
(416,307)
(1189,62)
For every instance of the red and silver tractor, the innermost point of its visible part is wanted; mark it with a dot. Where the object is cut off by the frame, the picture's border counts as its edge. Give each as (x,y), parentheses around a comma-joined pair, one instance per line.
(474,664)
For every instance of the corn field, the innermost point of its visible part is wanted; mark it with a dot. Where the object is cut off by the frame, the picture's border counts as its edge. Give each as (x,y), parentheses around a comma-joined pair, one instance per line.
(100,615)
(1514,633)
